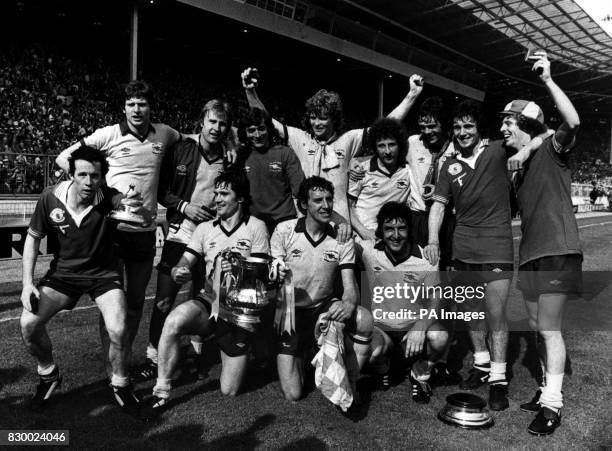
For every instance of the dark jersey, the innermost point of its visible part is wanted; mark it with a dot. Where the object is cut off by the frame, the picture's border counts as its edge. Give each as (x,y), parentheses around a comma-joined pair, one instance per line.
(481,195)
(85,240)
(548,222)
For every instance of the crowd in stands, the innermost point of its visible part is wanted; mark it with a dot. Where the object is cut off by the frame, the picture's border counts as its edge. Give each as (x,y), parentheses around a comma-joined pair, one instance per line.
(49,100)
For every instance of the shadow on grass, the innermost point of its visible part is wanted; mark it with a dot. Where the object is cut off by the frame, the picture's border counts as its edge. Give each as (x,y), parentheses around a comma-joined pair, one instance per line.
(11,375)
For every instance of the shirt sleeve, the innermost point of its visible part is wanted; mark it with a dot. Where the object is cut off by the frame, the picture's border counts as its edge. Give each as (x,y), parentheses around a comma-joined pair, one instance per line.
(39,225)
(277,242)
(261,242)
(99,139)
(196,244)
(354,139)
(347,255)
(442,192)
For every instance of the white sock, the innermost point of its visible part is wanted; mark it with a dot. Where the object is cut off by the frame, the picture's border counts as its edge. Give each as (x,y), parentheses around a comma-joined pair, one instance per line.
(482,360)
(162,388)
(46,370)
(498,372)
(118,381)
(197,346)
(551,393)
(151,353)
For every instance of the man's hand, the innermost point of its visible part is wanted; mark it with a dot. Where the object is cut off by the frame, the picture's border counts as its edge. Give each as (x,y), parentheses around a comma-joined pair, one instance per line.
(344,232)
(180,274)
(415,339)
(516,161)
(226,266)
(231,154)
(542,66)
(369,235)
(341,311)
(146,214)
(416,84)
(356,171)
(250,78)
(26,295)
(432,253)
(198,213)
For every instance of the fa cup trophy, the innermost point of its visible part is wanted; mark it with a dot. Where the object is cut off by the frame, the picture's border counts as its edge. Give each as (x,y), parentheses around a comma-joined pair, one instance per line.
(126,212)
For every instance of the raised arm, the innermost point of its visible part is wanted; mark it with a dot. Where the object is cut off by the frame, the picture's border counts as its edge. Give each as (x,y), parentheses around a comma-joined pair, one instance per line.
(62,158)
(250,80)
(416,87)
(566,132)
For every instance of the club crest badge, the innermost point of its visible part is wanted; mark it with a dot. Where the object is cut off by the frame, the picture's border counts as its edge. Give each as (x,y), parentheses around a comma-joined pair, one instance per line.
(57,215)
(454,169)
(331,256)
(157,148)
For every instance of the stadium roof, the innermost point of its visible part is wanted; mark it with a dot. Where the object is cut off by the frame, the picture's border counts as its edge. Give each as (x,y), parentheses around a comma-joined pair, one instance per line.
(492,36)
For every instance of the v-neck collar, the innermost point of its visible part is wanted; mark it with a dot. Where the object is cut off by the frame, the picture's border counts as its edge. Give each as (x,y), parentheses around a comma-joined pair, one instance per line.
(125,129)
(415,251)
(300,227)
(243,220)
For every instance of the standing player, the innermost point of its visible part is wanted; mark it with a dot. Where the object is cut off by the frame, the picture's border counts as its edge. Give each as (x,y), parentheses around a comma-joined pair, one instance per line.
(476,180)
(321,146)
(396,259)
(74,213)
(550,256)
(386,178)
(134,148)
(186,189)
(233,229)
(313,258)
(273,170)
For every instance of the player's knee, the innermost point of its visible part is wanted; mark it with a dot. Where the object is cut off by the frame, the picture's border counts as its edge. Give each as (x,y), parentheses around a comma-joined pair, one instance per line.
(438,337)
(30,324)
(364,322)
(117,332)
(174,324)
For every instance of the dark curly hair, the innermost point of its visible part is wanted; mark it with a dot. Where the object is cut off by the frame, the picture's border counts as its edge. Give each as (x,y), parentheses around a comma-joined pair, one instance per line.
(387,128)
(393,210)
(315,183)
(324,103)
(530,126)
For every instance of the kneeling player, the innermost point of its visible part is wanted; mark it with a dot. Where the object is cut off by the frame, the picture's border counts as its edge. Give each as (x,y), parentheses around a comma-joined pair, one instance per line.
(233,229)
(74,212)
(313,257)
(402,321)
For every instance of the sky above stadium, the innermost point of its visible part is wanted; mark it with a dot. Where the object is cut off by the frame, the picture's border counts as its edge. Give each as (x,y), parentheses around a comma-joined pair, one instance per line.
(600,11)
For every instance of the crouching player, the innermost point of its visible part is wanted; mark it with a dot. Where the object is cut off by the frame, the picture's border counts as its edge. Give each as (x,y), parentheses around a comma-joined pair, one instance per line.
(233,229)
(313,258)
(75,212)
(403,324)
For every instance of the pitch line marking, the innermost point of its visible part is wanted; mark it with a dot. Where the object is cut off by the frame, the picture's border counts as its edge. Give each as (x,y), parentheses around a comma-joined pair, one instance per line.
(85,307)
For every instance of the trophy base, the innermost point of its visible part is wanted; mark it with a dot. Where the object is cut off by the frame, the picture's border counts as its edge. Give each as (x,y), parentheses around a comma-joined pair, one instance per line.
(248,322)
(128,217)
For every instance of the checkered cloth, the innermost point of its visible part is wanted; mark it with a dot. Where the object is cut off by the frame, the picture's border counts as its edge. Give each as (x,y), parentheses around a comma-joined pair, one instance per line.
(331,376)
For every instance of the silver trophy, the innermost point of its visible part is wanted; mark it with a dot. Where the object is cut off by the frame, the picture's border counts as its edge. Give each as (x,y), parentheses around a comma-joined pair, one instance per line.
(126,212)
(247,296)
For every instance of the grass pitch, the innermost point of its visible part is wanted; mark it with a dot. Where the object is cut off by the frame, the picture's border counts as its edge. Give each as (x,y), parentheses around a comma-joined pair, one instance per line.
(201,418)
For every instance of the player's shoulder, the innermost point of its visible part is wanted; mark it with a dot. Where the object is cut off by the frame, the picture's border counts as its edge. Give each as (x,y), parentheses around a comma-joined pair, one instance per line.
(415,141)
(256,224)
(286,227)
(204,228)
(109,130)
(49,192)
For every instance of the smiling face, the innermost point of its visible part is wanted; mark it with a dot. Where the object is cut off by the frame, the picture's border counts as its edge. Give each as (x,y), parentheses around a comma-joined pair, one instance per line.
(387,151)
(258,136)
(395,235)
(320,205)
(87,179)
(226,201)
(514,137)
(322,126)
(431,131)
(214,128)
(465,134)
(137,114)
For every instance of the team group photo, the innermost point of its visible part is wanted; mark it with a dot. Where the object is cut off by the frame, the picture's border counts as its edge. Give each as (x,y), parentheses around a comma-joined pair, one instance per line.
(306,224)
